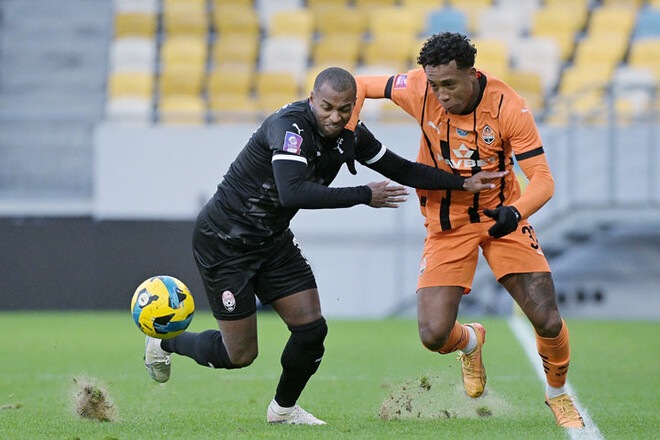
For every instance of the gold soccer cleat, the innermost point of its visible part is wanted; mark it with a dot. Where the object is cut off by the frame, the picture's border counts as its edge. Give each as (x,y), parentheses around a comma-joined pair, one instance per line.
(474,373)
(565,411)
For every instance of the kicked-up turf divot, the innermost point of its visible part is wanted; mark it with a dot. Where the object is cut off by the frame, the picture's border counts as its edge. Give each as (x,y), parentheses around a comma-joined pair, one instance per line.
(439,396)
(92,401)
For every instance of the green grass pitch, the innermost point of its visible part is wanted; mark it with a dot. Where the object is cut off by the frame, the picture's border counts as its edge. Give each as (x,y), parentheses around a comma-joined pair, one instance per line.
(367,365)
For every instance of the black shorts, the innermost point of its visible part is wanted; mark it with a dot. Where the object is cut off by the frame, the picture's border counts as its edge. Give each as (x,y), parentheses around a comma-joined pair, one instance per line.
(233,273)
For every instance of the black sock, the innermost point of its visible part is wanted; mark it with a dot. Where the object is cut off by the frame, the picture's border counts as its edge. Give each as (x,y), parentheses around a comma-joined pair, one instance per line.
(300,360)
(206,348)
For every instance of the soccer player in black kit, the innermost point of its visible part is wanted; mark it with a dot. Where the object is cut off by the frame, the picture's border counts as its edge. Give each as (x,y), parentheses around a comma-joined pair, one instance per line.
(244,248)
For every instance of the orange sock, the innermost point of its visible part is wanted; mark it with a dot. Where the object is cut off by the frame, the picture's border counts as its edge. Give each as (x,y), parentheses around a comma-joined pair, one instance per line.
(457,340)
(555,354)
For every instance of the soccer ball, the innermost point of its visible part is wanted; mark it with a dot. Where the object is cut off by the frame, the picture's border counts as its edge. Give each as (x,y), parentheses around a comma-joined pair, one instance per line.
(162,307)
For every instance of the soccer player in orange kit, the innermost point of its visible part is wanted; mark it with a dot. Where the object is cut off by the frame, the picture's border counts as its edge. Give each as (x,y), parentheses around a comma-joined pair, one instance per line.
(472,121)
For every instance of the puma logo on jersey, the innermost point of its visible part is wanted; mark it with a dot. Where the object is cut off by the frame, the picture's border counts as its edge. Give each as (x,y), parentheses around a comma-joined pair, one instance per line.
(300,130)
(437,128)
(338,147)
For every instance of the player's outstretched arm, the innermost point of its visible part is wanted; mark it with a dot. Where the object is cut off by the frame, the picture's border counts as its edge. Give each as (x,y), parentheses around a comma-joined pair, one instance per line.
(384,196)
(296,192)
(422,176)
(414,174)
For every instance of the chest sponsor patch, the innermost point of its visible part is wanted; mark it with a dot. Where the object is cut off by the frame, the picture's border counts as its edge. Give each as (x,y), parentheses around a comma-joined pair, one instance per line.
(292,142)
(461,132)
(488,135)
(401,82)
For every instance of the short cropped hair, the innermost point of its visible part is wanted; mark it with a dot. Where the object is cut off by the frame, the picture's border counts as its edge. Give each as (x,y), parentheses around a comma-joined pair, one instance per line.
(444,47)
(339,79)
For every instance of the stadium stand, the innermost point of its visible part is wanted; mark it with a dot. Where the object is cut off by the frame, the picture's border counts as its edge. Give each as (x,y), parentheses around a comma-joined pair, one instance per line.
(540,47)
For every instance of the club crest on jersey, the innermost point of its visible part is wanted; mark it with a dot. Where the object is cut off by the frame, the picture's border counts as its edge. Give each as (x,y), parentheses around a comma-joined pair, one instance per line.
(228,300)
(488,135)
(401,81)
(292,142)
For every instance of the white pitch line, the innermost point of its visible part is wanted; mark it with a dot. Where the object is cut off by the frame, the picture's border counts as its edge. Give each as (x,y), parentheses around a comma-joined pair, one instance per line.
(522,330)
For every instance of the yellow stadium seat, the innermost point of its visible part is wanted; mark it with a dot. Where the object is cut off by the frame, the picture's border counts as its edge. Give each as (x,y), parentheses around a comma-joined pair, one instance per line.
(395,20)
(275,89)
(633,4)
(181,80)
(529,85)
(646,53)
(559,18)
(296,23)
(138,84)
(492,56)
(190,3)
(580,5)
(135,24)
(274,82)
(615,19)
(388,50)
(605,49)
(339,20)
(232,108)
(182,110)
(229,92)
(313,4)
(561,23)
(582,78)
(184,50)
(423,5)
(470,3)
(235,49)
(183,17)
(230,82)
(236,19)
(339,49)
(217,3)
(373,5)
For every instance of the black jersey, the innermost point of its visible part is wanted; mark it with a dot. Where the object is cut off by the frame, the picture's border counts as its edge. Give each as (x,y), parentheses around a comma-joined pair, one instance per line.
(246,205)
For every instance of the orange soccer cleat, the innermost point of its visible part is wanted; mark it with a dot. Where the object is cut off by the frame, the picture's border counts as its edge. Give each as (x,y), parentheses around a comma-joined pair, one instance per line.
(474,373)
(565,411)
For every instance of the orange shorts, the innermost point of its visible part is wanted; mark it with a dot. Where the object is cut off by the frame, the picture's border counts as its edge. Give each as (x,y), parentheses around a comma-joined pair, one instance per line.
(450,257)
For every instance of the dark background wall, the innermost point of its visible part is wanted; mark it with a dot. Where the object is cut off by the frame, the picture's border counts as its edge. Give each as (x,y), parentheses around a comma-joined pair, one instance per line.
(81,263)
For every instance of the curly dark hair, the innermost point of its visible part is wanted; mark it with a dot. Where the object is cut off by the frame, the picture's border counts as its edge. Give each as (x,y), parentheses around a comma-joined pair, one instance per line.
(446,46)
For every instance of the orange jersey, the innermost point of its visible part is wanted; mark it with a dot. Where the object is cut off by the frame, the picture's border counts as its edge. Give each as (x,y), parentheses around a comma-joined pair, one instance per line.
(485,140)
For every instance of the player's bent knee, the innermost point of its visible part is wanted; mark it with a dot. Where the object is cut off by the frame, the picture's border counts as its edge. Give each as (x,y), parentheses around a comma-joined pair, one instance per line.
(310,335)
(243,359)
(550,327)
(432,340)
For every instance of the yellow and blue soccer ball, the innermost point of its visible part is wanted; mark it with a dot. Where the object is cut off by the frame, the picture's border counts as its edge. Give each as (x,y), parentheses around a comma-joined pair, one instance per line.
(162,307)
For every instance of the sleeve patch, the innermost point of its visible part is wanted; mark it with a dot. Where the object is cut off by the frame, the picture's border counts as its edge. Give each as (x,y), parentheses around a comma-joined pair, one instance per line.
(292,142)
(401,81)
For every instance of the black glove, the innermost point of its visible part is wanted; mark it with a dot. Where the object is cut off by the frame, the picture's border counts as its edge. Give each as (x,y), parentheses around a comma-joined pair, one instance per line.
(346,148)
(506,220)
